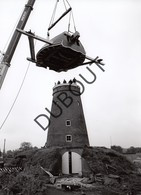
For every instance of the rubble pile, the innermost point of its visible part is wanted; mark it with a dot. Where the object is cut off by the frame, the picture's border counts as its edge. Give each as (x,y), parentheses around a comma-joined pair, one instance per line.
(106,161)
(118,172)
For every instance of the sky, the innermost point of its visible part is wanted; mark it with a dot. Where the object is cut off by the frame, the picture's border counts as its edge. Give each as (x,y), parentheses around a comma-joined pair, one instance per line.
(110,29)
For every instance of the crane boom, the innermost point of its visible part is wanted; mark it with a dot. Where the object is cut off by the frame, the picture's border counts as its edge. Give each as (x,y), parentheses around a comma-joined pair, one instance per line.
(5,63)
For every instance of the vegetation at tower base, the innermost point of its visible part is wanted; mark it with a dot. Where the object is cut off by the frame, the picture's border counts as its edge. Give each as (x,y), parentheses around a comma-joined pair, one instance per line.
(119,174)
(104,160)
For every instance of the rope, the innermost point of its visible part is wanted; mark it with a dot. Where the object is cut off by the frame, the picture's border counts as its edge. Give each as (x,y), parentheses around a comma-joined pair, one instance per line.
(65,4)
(2,53)
(69,21)
(73,22)
(17,94)
(70,17)
(53,16)
(68,3)
(15,97)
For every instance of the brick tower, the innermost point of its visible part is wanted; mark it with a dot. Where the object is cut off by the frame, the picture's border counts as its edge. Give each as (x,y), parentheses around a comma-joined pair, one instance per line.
(67,123)
(67,128)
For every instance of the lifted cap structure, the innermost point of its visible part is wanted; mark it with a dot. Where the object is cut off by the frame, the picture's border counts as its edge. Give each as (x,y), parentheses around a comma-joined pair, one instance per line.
(65,52)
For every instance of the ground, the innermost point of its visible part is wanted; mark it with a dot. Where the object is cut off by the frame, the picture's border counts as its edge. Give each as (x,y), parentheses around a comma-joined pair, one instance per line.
(112,173)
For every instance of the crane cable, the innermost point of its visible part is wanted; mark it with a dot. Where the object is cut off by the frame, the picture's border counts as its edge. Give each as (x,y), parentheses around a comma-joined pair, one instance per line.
(2,54)
(53,14)
(70,16)
(15,97)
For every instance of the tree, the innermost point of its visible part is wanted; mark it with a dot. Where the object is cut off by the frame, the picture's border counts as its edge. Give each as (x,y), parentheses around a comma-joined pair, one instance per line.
(131,150)
(9,154)
(117,148)
(25,146)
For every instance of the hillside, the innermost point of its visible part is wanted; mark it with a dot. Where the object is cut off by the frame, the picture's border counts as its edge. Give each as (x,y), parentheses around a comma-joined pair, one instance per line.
(119,174)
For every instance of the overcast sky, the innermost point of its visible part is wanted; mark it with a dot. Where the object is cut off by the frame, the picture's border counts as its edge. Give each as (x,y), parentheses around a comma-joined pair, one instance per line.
(110,29)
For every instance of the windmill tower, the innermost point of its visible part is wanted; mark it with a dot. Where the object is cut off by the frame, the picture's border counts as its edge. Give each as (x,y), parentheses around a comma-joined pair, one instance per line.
(67,128)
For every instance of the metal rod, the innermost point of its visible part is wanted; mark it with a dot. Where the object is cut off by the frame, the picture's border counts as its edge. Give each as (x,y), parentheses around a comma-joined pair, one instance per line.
(65,13)
(5,63)
(34,36)
(32,49)
(96,61)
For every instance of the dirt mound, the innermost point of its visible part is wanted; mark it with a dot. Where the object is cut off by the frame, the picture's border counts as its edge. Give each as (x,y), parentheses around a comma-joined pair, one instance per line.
(106,161)
(48,158)
(33,180)
(119,173)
